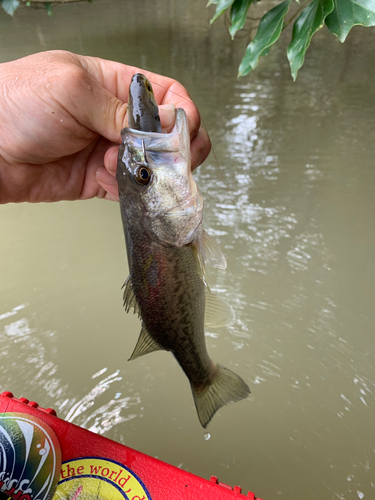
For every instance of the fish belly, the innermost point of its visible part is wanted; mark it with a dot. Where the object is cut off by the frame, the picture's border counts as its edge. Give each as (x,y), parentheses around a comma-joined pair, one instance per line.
(171,298)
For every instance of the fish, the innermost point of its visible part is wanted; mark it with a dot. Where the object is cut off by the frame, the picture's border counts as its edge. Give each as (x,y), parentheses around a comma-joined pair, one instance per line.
(143,112)
(167,248)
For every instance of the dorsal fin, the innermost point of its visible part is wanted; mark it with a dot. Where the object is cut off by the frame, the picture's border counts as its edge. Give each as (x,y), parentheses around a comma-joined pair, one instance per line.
(129,297)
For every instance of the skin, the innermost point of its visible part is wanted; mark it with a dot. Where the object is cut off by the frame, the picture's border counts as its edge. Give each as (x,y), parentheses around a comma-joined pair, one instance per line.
(60,120)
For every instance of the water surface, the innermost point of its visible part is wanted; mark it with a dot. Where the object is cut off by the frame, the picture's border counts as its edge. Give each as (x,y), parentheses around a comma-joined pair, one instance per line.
(293,209)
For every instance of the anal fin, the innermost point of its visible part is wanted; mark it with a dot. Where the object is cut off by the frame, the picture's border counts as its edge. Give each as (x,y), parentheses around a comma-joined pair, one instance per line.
(145,345)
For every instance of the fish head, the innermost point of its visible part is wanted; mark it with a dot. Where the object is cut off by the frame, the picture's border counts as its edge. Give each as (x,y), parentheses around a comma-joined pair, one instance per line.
(156,186)
(143,111)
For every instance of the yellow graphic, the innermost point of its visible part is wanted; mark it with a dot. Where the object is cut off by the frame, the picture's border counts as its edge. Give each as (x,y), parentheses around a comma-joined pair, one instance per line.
(98,479)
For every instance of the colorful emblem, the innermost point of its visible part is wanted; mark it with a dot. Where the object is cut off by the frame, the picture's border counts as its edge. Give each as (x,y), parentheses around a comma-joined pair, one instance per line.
(30,457)
(99,479)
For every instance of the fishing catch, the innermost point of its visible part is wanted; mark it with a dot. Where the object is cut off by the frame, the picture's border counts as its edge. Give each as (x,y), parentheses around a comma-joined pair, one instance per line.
(167,248)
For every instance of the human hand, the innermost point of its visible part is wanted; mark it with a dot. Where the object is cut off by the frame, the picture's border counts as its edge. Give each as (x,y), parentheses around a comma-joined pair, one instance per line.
(61,115)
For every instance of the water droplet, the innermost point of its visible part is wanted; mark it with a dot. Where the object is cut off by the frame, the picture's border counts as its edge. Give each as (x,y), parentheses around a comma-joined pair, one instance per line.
(207,436)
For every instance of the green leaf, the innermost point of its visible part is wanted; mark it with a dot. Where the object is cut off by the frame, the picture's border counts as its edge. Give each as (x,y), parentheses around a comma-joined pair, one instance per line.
(48,6)
(221,6)
(238,15)
(307,24)
(10,6)
(348,13)
(269,30)
(210,2)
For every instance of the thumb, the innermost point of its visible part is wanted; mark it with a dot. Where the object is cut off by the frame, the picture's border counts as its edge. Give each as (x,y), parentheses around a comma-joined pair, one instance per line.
(105,114)
(102,111)
(104,89)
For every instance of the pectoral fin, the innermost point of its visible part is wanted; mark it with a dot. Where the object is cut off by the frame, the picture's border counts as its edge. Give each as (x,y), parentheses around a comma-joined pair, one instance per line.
(145,345)
(129,297)
(199,263)
(207,250)
(217,312)
(212,252)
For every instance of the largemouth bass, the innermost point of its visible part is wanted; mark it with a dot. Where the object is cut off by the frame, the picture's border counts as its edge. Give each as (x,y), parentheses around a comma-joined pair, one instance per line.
(167,248)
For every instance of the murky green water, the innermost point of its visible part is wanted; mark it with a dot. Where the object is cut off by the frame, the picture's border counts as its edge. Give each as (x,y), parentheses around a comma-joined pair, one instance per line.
(296,220)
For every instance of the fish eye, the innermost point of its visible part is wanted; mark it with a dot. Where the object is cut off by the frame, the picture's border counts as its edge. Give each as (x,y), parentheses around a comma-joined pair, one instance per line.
(143,175)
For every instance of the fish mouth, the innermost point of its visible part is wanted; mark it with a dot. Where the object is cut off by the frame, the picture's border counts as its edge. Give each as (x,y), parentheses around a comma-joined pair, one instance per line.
(139,77)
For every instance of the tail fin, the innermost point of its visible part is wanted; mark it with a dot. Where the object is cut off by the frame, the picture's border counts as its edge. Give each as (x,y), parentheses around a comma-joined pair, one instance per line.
(226,387)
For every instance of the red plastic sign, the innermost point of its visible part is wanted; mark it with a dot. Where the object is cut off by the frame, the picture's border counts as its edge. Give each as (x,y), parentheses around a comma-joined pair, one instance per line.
(92,466)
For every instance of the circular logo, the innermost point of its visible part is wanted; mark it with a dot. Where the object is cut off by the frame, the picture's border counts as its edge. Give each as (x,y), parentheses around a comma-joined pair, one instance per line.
(100,479)
(30,457)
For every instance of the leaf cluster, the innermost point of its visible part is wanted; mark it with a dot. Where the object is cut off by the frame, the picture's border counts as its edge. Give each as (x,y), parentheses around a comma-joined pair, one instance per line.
(338,15)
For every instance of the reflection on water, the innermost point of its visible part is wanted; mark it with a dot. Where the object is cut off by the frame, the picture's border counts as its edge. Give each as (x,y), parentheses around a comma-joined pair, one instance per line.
(108,414)
(96,410)
(22,348)
(292,206)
